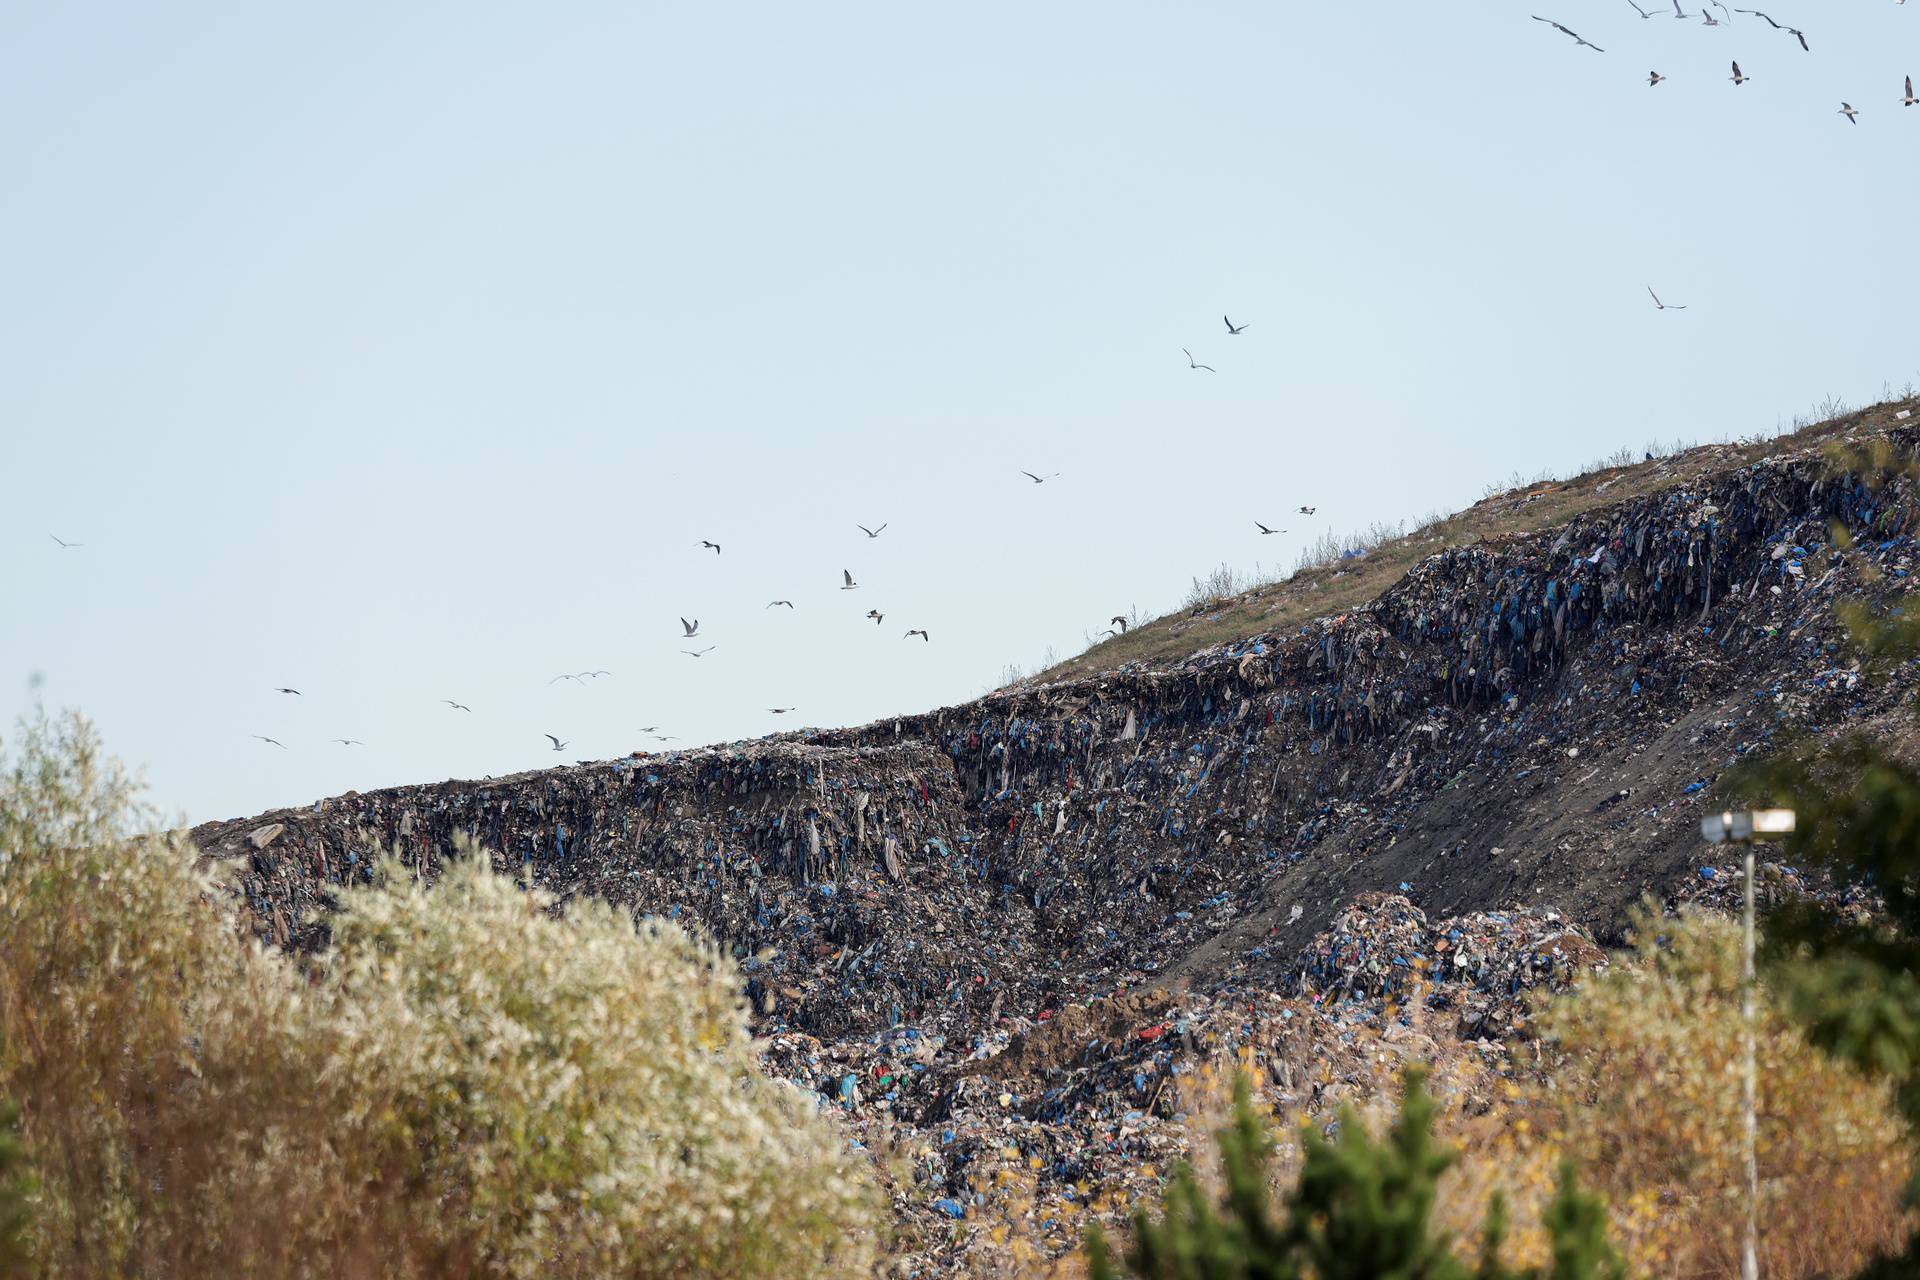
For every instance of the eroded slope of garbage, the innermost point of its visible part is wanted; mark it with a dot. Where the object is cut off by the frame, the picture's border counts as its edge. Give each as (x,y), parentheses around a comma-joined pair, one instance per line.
(1533,719)
(1348,583)
(1016,925)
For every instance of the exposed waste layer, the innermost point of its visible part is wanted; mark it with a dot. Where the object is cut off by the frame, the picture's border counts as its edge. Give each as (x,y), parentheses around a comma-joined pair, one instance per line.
(1012,930)
(1528,721)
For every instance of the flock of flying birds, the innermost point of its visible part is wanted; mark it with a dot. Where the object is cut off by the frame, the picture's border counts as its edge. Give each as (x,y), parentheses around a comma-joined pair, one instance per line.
(1739,77)
(690,627)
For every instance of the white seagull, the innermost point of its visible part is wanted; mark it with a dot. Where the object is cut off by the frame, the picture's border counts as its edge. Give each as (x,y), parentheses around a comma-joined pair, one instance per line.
(871,533)
(1637,9)
(1039,479)
(275,741)
(916,632)
(700,653)
(849,584)
(691,628)
(1195,364)
(69,546)
(1847,109)
(1576,35)
(1233,328)
(1909,100)
(1659,305)
(712,546)
(1263,529)
(1654,78)
(1739,77)
(458,706)
(557,744)
(772,603)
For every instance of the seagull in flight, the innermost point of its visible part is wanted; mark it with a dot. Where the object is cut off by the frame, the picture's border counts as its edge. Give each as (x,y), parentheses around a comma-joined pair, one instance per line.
(1307,511)
(871,533)
(648,728)
(916,632)
(1232,328)
(1039,479)
(350,742)
(592,675)
(850,584)
(1659,305)
(557,744)
(1852,115)
(1263,529)
(1576,35)
(1795,32)
(457,706)
(1706,16)
(1120,622)
(1678,12)
(1654,78)
(772,603)
(1910,100)
(295,692)
(691,628)
(877,616)
(1195,364)
(65,545)
(700,653)
(778,711)
(711,546)
(275,741)
(1738,77)
(558,679)
(1637,9)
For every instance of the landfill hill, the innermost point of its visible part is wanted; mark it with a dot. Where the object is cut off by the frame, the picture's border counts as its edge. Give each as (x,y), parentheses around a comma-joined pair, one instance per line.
(1019,925)
(1532,718)
(1356,580)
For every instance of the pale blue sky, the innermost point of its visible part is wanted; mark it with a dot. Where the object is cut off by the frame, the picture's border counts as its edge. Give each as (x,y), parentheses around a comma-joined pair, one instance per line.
(401,352)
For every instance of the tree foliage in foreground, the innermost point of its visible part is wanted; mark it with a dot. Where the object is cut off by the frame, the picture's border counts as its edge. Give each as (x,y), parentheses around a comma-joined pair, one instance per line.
(1853,978)
(1360,1211)
(467,1085)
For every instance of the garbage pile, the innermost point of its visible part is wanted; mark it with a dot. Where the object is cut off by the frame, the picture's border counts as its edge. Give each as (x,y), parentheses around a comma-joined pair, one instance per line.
(1017,924)
(1722,888)
(1484,966)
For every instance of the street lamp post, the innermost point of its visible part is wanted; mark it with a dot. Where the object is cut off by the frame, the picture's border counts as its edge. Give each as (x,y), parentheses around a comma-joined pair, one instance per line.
(1743,828)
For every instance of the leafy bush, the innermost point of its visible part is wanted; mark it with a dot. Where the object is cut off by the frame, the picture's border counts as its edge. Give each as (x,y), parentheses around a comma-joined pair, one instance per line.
(1360,1211)
(582,1093)
(16,1184)
(1648,1098)
(467,1085)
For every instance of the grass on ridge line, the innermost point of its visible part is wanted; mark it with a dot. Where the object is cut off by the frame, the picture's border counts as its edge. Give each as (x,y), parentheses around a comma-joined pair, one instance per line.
(1331,589)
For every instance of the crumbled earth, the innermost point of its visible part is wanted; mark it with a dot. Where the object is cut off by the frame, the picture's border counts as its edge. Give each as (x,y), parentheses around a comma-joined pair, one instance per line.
(1002,935)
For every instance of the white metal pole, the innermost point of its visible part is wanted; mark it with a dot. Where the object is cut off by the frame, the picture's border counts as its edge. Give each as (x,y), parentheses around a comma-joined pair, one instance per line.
(1750,1079)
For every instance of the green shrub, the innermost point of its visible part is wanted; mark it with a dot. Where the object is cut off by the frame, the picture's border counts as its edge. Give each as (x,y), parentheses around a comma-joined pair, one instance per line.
(1647,1097)
(15,1186)
(466,1085)
(582,1093)
(1360,1211)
